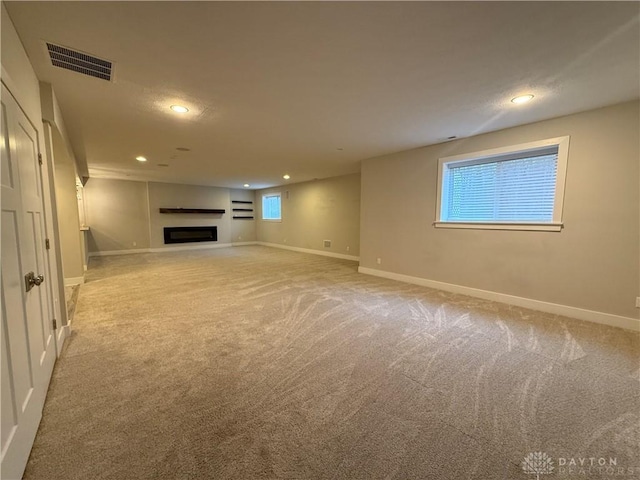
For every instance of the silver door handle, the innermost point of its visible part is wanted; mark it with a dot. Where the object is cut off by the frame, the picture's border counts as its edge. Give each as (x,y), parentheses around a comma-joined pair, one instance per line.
(32,280)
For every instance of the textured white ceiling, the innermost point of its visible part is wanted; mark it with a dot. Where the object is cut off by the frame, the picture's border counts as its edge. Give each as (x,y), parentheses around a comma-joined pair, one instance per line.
(313,88)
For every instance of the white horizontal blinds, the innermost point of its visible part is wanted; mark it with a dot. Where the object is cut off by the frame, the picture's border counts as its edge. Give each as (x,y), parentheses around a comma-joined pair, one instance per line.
(271,207)
(503,190)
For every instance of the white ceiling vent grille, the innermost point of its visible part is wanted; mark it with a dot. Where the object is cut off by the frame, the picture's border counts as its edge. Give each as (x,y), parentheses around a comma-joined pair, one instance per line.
(79,62)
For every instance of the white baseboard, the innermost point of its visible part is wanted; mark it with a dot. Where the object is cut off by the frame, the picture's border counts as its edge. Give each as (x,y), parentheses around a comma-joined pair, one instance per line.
(118,252)
(161,249)
(554,308)
(200,246)
(70,281)
(242,244)
(63,332)
(308,250)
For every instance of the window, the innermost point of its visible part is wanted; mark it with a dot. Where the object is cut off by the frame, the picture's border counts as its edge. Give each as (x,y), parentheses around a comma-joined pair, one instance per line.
(513,188)
(271,207)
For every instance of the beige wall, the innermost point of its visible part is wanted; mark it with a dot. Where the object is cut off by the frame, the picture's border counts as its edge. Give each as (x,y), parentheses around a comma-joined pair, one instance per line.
(171,195)
(117,215)
(243,230)
(327,209)
(592,263)
(124,215)
(18,73)
(71,241)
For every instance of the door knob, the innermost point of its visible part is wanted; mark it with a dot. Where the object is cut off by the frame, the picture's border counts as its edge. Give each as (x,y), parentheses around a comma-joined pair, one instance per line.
(32,280)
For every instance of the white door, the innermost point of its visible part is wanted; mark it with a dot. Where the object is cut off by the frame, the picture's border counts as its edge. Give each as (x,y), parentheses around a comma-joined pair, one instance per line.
(28,340)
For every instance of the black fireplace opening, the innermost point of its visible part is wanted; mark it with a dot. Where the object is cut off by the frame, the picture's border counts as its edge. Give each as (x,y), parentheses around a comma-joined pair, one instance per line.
(190,234)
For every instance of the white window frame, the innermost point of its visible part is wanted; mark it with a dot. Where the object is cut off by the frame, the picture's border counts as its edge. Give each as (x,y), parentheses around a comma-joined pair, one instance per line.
(489,156)
(271,194)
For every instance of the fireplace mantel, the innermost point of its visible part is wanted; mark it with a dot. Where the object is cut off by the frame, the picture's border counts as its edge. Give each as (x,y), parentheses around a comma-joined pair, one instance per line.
(217,211)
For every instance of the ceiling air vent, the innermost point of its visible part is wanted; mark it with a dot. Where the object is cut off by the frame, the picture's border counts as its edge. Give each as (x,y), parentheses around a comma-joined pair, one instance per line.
(79,62)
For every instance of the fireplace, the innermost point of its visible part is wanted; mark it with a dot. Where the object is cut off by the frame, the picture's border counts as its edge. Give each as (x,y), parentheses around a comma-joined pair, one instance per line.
(190,234)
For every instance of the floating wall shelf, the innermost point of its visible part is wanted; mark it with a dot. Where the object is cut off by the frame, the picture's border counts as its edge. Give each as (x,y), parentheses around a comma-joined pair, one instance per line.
(217,211)
(248,215)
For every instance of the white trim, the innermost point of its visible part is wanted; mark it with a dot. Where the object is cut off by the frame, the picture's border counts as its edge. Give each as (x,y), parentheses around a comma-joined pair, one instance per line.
(242,244)
(160,249)
(308,250)
(270,194)
(8,81)
(70,281)
(540,227)
(561,177)
(554,308)
(63,332)
(107,253)
(200,246)
(496,154)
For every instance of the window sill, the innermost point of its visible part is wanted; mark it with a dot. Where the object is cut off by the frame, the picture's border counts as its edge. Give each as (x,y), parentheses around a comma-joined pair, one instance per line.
(276,220)
(537,227)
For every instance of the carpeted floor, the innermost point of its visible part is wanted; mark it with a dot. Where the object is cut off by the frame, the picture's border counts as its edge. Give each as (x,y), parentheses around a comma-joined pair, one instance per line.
(257,363)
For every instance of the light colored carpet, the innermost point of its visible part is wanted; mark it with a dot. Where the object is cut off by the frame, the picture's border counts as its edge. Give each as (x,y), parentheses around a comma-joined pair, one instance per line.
(258,363)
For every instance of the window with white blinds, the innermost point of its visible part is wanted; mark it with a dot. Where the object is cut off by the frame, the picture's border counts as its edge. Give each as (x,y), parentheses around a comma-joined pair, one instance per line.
(519,187)
(271,207)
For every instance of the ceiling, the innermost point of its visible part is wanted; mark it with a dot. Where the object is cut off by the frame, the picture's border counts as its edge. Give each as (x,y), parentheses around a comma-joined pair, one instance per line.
(312,88)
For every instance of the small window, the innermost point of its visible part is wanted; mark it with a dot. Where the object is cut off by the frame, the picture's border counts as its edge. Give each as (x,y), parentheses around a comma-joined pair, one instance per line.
(271,207)
(513,188)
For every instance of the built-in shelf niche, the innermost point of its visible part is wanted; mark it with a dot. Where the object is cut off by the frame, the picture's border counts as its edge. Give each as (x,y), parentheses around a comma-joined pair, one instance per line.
(214,211)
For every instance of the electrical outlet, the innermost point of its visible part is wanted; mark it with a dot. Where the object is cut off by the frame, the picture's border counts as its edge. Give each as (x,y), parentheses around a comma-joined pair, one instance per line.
(378,260)
(637,302)
(327,243)
(348,248)
(285,240)
(239,237)
(135,244)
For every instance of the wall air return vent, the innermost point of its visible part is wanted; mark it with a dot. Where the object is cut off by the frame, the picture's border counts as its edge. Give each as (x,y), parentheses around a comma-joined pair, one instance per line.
(79,62)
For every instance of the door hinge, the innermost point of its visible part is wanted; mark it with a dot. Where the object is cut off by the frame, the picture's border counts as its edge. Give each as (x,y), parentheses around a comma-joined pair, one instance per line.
(55,324)
(40,158)
(47,244)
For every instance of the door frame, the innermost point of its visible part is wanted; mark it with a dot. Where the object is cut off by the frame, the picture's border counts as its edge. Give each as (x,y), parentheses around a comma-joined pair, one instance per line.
(54,254)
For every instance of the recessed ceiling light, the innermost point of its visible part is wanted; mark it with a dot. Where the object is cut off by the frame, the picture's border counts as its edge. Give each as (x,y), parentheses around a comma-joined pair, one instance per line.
(246,185)
(522,99)
(340,149)
(140,158)
(183,149)
(286,177)
(179,109)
